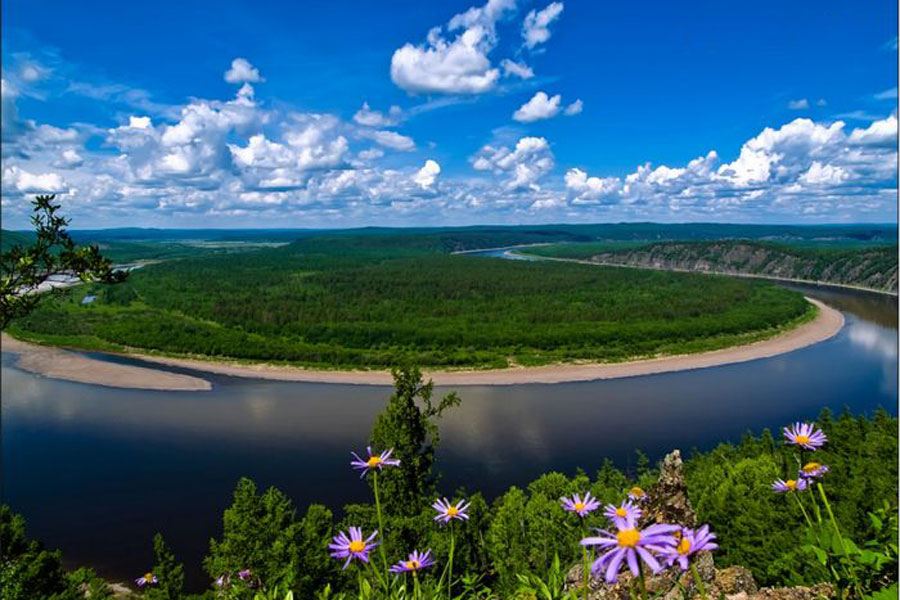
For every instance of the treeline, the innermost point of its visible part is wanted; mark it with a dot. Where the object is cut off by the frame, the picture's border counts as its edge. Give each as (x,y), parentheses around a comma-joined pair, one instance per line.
(375,302)
(869,267)
(524,530)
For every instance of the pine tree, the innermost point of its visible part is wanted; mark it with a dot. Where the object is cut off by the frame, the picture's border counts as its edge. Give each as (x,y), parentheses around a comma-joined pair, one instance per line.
(260,533)
(169,572)
(410,430)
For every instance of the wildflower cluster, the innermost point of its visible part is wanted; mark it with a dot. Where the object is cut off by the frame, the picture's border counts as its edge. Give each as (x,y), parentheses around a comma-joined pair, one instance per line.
(355,545)
(627,546)
(628,543)
(224,580)
(844,562)
(806,437)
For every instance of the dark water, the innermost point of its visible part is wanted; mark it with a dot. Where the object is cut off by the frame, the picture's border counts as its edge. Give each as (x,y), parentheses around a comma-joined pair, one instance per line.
(97,471)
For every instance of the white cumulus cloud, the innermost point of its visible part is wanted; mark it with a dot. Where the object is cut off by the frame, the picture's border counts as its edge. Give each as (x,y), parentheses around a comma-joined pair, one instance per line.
(540,106)
(389,139)
(536,28)
(458,64)
(242,71)
(574,109)
(512,68)
(426,176)
(372,118)
(522,167)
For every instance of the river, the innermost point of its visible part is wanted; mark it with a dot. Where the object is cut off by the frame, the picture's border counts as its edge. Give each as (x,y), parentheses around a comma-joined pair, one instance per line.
(97,471)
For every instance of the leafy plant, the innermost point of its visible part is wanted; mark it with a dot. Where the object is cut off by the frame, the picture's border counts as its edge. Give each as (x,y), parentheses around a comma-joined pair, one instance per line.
(24,269)
(551,586)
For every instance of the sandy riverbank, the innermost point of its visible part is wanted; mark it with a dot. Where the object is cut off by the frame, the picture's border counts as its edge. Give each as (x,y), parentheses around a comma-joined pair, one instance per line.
(73,366)
(54,362)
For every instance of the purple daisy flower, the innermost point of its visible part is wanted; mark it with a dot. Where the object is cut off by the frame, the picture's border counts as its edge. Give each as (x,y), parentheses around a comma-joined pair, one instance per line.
(448,512)
(580,506)
(244,574)
(791,485)
(690,543)
(415,562)
(805,435)
(146,579)
(813,470)
(222,581)
(629,544)
(627,510)
(637,494)
(374,461)
(352,546)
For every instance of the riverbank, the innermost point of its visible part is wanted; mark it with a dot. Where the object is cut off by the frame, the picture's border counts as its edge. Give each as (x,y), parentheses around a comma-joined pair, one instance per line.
(73,366)
(515,254)
(63,364)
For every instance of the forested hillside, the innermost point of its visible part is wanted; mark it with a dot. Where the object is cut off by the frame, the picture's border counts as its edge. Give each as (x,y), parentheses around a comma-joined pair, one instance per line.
(869,267)
(380,300)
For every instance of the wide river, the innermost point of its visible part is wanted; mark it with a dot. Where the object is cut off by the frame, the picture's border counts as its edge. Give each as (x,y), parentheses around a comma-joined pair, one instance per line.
(97,471)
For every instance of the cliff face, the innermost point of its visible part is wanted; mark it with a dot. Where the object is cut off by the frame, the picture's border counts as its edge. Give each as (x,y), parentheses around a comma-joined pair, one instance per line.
(874,268)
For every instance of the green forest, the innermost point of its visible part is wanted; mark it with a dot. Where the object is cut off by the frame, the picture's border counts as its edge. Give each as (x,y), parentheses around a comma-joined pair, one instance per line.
(520,544)
(379,300)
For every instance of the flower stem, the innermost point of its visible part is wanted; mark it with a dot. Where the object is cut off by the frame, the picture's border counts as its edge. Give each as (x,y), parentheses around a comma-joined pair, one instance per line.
(450,563)
(585,564)
(816,510)
(417,594)
(641,581)
(803,510)
(698,581)
(837,530)
(381,529)
(379,579)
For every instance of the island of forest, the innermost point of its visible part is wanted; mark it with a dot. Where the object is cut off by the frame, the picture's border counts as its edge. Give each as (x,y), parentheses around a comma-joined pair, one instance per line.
(375,300)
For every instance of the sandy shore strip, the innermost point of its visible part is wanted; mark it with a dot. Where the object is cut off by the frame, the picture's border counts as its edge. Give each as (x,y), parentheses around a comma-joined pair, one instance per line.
(57,363)
(54,362)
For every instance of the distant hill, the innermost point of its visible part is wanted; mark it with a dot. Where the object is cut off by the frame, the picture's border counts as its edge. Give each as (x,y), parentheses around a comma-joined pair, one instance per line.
(869,267)
(8,238)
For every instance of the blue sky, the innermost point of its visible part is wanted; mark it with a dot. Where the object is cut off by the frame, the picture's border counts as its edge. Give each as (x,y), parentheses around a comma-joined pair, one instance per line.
(249,114)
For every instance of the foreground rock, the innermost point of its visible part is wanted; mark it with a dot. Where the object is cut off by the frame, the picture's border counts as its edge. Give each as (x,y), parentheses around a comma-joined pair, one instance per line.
(667,502)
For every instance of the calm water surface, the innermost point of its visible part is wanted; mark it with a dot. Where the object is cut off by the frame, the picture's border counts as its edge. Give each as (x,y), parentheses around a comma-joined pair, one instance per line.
(97,471)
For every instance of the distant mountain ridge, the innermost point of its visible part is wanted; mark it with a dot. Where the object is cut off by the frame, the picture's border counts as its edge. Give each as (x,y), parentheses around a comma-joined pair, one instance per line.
(874,268)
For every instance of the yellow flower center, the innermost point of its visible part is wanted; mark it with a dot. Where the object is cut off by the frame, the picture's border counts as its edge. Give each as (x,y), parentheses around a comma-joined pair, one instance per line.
(148,576)
(452,511)
(412,564)
(811,467)
(638,492)
(684,546)
(628,538)
(621,512)
(802,439)
(579,506)
(357,546)
(791,484)
(374,461)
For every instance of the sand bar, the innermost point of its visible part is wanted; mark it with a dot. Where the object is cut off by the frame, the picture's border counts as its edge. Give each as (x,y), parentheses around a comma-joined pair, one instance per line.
(57,363)
(54,362)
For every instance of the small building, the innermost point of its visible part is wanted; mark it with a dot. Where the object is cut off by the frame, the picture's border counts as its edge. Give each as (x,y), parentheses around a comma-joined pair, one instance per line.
(88,299)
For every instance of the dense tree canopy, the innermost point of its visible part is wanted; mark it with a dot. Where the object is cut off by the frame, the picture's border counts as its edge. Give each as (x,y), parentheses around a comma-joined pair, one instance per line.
(381,301)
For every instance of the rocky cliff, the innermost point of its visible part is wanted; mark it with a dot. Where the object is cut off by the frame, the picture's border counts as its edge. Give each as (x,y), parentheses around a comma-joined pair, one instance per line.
(874,268)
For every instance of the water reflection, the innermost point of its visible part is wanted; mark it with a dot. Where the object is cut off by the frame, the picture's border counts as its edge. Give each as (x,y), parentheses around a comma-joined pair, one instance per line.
(97,470)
